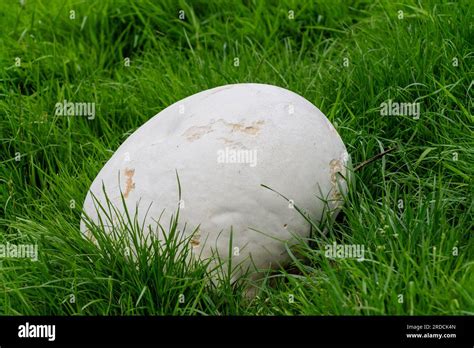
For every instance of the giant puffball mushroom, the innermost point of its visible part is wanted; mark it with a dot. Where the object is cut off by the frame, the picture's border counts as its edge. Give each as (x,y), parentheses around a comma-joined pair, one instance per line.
(225,143)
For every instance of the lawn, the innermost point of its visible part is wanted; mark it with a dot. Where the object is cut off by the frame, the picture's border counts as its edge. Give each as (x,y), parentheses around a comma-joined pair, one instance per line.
(411,209)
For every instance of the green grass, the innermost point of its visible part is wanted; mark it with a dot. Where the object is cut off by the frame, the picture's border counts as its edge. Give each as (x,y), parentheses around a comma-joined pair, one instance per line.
(422,251)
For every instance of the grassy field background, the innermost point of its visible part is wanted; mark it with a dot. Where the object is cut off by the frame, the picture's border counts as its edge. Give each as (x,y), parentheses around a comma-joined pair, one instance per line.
(412,209)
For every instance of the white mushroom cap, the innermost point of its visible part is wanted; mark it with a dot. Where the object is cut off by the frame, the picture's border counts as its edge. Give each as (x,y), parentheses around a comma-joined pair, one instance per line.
(224,143)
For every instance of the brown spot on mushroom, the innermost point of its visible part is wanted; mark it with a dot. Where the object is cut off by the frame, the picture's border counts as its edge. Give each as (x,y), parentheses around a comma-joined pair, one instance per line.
(335,167)
(195,133)
(195,240)
(232,144)
(253,129)
(227,141)
(129,184)
(336,196)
